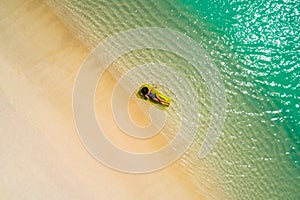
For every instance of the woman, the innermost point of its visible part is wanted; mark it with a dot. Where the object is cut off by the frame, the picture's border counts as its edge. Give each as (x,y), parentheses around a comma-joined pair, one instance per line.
(149,94)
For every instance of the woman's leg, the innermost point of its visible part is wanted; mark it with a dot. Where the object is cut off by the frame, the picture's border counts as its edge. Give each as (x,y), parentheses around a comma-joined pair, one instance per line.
(161,101)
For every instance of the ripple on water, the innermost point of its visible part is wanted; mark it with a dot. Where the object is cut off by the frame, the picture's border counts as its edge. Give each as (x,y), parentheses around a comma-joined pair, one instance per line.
(255,45)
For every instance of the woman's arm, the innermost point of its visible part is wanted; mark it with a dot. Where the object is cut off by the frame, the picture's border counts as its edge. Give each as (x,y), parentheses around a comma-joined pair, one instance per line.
(152,89)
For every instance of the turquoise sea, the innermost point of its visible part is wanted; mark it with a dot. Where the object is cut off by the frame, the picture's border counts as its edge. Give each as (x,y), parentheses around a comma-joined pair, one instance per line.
(255,44)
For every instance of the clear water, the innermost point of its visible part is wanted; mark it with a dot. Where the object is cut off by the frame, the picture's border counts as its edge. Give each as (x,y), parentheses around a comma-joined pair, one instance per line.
(256,46)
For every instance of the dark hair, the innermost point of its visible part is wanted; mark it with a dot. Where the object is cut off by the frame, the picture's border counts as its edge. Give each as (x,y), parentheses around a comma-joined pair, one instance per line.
(144,90)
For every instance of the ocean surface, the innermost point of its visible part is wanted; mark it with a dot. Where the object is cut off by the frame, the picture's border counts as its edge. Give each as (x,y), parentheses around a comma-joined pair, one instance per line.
(255,45)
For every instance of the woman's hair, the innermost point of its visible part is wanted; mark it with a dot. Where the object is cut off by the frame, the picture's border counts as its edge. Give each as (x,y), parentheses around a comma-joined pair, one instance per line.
(144,90)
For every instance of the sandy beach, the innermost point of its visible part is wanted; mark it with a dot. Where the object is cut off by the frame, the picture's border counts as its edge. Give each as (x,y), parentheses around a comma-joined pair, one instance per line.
(41,154)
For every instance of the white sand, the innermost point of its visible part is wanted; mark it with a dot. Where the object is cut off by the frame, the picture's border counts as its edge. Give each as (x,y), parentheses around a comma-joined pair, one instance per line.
(41,156)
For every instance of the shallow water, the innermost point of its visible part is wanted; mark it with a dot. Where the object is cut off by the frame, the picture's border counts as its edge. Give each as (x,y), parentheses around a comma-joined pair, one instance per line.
(255,46)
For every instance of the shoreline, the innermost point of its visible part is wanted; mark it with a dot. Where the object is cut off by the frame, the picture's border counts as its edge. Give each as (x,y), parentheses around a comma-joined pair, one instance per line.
(43,156)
